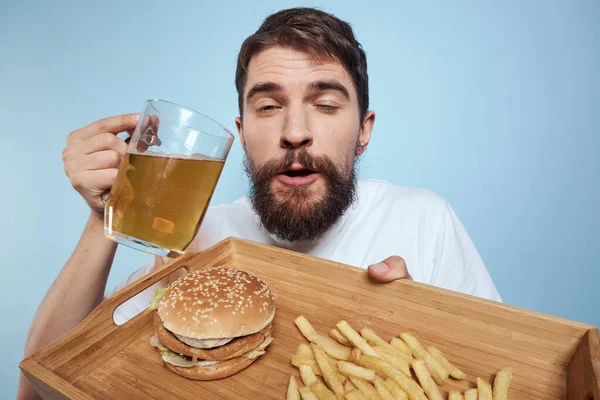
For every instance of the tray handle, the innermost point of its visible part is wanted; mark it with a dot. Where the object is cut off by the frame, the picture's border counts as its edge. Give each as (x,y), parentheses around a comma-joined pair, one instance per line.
(583,376)
(98,321)
(108,306)
(103,313)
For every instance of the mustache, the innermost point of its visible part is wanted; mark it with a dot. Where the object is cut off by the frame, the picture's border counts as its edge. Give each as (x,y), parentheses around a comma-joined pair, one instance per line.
(322,164)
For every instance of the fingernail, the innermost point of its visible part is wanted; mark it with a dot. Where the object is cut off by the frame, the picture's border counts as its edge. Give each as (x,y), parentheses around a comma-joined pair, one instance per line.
(379,268)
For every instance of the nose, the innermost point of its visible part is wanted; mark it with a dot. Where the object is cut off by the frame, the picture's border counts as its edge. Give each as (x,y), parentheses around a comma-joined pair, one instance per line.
(296,132)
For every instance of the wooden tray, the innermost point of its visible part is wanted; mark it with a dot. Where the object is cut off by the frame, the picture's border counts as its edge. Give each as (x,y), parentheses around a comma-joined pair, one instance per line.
(552,358)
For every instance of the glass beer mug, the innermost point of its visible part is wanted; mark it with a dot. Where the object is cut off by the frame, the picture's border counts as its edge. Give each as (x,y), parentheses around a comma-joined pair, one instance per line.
(166,181)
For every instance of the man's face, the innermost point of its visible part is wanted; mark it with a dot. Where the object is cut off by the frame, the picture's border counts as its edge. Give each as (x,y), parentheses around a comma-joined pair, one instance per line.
(301,131)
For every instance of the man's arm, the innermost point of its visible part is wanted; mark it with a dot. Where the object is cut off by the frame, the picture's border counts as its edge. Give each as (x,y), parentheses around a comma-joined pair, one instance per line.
(77,290)
(91,161)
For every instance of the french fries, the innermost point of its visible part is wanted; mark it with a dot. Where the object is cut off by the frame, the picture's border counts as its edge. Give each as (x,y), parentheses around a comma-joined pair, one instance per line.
(382,367)
(372,338)
(336,350)
(332,360)
(303,350)
(359,366)
(306,394)
(395,390)
(447,365)
(297,362)
(396,362)
(305,328)
(427,383)
(292,392)
(400,345)
(455,395)
(355,338)
(382,391)
(316,387)
(351,369)
(330,346)
(307,375)
(337,335)
(355,395)
(329,374)
(304,356)
(439,374)
(484,389)
(321,391)
(349,386)
(368,390)
(501,383)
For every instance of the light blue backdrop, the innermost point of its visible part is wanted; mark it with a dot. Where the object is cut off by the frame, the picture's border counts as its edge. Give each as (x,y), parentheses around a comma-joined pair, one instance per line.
(493,105)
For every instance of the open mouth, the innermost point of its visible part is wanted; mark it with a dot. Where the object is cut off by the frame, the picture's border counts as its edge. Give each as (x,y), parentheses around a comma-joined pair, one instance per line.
(298,173)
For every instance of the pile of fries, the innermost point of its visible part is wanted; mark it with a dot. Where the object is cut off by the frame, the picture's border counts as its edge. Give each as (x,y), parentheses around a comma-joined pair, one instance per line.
(356,366)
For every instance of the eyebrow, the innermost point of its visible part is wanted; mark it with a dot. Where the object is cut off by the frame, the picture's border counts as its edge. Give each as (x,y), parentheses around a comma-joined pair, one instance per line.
(317,86)
(263,87)
(321,86)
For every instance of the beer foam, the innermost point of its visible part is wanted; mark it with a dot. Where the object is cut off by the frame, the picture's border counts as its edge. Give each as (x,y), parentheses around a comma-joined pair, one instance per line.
(180,156)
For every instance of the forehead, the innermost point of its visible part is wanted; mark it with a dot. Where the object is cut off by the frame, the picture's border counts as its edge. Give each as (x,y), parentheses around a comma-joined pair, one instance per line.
(290,68)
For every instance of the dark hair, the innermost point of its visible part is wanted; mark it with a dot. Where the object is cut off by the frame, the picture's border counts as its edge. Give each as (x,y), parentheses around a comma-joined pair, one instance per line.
(322,35)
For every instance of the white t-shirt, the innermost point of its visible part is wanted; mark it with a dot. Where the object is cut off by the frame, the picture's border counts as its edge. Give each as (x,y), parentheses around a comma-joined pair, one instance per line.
(386,220)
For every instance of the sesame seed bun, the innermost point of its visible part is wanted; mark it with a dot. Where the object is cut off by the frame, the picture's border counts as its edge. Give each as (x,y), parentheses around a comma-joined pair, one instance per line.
(216,303)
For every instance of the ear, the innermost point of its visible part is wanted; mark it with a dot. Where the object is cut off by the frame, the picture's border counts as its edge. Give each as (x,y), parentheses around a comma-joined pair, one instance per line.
(364,136)
(240,129)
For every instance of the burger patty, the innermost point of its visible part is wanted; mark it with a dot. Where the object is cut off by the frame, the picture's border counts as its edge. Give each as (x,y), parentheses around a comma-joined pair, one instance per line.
(220,370)
(235,348)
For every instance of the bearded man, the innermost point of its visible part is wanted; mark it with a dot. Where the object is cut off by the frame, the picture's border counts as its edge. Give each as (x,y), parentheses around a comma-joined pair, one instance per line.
(304,120)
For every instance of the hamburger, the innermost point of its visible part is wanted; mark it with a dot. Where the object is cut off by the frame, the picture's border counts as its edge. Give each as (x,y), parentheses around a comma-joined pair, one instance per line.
(212,323)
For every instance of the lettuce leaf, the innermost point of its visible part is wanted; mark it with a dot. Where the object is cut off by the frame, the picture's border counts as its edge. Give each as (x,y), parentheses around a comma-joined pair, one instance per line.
(158,293)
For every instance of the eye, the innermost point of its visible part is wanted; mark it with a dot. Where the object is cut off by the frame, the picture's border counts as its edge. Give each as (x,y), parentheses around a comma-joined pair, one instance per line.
(327,108)
(267,110)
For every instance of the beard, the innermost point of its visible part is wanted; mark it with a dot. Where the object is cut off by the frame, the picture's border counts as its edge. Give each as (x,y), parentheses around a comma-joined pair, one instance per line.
(291,213)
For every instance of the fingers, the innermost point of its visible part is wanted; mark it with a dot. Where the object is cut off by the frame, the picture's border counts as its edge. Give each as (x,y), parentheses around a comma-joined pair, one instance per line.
(390,269)
(93,155)
(103,150)
(114,125)
(103,141)
(77,162)
(102,160)
(94,182)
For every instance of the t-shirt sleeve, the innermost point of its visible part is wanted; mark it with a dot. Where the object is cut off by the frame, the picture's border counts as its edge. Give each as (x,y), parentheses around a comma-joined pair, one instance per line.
(457,264)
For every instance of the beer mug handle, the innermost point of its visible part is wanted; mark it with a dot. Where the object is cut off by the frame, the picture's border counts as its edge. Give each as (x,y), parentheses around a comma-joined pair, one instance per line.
(104,196)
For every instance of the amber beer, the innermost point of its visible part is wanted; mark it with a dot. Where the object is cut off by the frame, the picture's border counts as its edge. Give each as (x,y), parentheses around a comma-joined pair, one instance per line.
(161,200)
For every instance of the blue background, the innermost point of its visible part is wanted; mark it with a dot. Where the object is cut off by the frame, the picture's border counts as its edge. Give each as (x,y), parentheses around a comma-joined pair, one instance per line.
(493,105)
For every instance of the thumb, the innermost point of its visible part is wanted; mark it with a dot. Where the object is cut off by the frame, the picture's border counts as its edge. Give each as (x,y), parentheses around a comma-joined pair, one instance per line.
(390,269)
